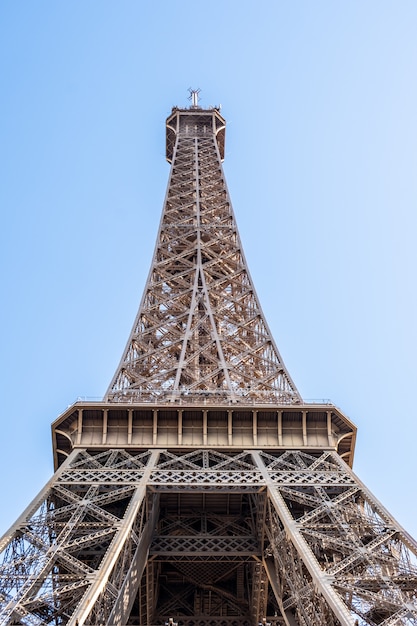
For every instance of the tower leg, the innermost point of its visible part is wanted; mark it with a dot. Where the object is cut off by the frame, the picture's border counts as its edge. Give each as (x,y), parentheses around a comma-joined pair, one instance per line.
(77,554)
(336,554)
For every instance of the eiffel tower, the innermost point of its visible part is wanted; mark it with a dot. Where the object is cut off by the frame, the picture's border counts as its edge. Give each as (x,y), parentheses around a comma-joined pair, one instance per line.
(202,490)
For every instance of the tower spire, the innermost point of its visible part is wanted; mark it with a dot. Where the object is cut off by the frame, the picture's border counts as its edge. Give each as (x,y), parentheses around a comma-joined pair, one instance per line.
(200,330)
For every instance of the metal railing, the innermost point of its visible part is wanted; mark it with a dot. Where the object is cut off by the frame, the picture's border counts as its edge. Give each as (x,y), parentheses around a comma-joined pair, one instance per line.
(131,396)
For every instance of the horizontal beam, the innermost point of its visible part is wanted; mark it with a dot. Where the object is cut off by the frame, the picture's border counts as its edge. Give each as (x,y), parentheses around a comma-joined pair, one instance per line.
(198,545)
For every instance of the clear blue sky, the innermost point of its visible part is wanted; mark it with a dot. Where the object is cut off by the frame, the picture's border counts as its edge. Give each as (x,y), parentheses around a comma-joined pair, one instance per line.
(321,161)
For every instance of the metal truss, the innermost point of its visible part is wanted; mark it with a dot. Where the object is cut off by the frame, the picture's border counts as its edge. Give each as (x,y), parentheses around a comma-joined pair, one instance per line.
(115,538)
(336,553)
(206,545)
(200,332)
(75,552)
(235,515)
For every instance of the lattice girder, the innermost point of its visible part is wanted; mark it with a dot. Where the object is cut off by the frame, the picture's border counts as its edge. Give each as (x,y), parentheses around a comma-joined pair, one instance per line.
(77,536)
(200,327)
(203,488)
(342,542)
(329,552)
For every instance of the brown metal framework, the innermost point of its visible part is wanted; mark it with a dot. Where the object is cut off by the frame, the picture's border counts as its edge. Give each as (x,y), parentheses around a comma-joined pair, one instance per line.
(203,490)
(200,331)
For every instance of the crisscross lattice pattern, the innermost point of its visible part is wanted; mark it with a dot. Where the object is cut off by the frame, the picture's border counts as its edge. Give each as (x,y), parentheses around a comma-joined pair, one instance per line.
(354,544)
(200,331)
(213,537)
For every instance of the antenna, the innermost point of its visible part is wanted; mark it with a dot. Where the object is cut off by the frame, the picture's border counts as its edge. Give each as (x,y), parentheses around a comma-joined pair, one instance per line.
(194,97)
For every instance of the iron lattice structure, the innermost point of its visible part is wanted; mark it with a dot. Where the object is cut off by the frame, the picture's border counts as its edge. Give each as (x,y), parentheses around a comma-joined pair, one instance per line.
(200,330)
(203,488)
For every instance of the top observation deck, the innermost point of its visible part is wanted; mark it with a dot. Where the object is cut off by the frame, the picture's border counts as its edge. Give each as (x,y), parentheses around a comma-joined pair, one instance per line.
(195,122)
